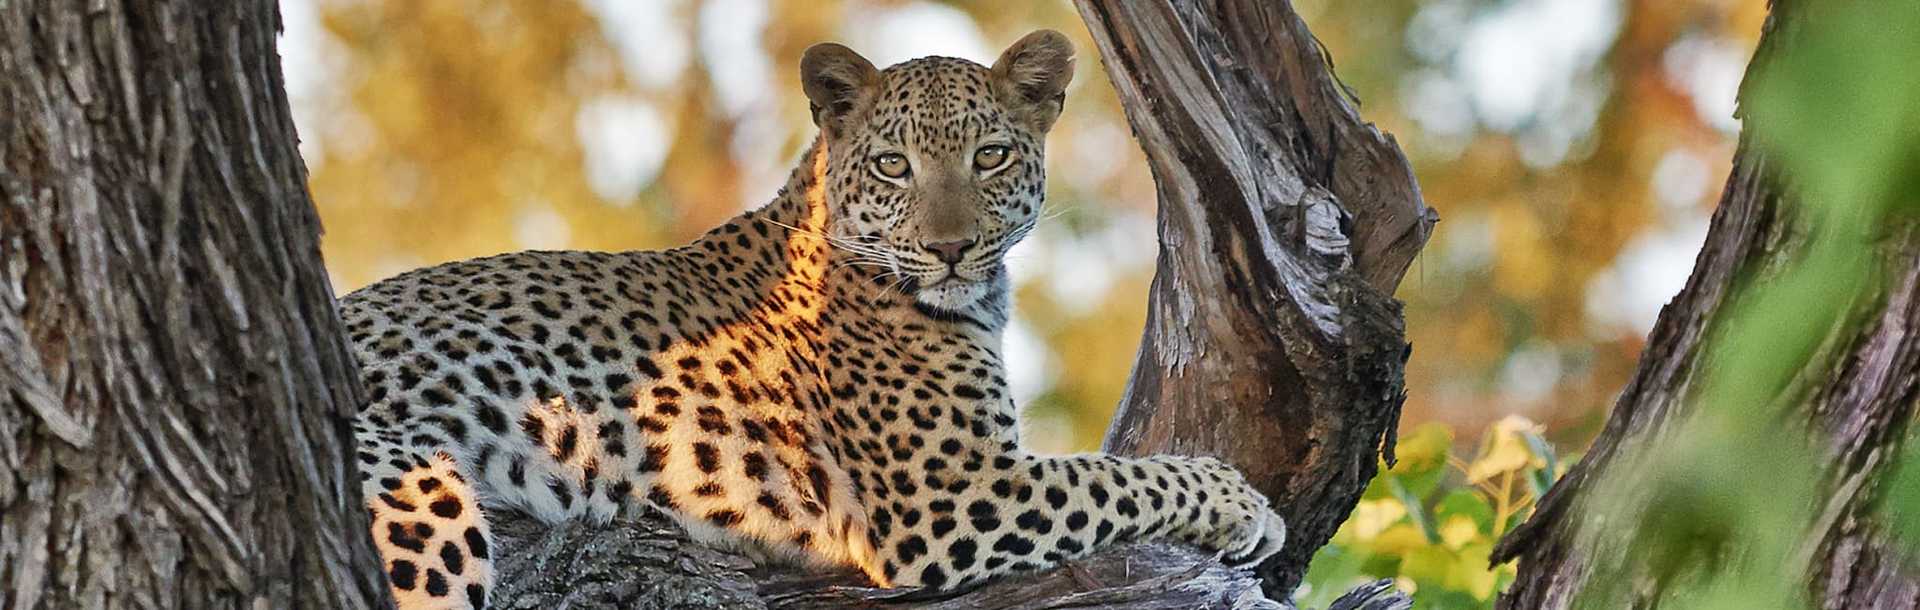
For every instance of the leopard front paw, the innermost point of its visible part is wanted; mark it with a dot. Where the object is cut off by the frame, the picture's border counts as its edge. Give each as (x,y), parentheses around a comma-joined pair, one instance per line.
(1272,536)
(1236,520)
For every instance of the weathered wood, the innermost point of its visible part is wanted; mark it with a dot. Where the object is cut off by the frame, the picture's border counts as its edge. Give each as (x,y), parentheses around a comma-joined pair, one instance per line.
(174,383)
(1286,221)
(648,564)
(1857,397)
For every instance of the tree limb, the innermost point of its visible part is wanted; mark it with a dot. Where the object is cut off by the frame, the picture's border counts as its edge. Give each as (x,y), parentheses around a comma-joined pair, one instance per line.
(649,563)
(1286,221)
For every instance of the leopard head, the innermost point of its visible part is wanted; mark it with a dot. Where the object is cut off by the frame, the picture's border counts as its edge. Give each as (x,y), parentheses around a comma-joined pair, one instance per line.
(936,166)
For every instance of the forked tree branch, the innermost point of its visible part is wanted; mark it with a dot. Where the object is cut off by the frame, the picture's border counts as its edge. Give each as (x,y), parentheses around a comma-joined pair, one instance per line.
(1273,340)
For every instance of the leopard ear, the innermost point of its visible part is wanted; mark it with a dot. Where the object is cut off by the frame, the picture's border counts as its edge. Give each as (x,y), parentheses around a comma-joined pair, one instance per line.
(839,84)
(1032,75)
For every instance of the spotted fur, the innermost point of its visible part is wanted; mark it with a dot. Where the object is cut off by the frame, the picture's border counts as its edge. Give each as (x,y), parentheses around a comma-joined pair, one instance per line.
(818,380)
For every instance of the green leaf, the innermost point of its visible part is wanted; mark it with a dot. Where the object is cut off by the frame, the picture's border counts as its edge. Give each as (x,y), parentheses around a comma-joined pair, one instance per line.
(1429,567)
(1424,450)
(1335,569)
(1423,484)
(1466,503)
(1838,108)
(1539,480)
(1415,511)
(1379,488)
(1446,599)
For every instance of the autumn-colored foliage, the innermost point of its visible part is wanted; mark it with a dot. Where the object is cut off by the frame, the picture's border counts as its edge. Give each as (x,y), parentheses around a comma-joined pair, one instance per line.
(1431,520)
(1572,180)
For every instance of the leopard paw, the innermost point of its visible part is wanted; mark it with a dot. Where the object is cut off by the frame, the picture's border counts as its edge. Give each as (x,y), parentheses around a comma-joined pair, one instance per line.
(1273,536)
(1236,520)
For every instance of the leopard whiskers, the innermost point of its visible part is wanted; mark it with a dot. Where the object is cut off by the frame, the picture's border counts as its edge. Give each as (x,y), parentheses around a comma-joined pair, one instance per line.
(896,286)
(857,245)
(861,250)
(1048,212)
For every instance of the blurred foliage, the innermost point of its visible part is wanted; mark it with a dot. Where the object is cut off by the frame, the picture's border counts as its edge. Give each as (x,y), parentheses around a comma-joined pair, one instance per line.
(1571,180)
(1431,521)
(1568,211)
(1723,502)
(1903,496)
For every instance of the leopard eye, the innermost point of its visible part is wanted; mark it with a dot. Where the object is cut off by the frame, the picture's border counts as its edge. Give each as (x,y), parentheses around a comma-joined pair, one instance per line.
(990,157)
(891,165)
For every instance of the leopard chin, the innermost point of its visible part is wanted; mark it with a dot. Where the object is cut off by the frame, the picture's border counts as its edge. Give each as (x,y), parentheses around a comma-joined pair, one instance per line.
(953,294)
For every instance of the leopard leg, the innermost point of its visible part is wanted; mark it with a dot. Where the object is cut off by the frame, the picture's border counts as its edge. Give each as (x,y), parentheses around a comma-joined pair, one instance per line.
(431,533)
(1031,512)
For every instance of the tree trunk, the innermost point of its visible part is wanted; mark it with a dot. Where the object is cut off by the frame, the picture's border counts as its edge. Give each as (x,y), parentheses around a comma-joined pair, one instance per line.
(1853,397)
(175,387)
(1273,340)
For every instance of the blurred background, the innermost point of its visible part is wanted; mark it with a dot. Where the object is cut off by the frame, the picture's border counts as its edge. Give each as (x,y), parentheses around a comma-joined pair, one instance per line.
(1574,149)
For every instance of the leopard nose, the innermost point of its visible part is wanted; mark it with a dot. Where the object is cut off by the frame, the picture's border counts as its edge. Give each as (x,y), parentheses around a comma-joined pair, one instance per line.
(949,252)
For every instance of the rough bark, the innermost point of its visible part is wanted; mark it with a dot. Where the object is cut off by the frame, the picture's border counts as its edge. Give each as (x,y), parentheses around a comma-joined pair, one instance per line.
(648,563)
(1856,395)
(174,383)
(1286,221)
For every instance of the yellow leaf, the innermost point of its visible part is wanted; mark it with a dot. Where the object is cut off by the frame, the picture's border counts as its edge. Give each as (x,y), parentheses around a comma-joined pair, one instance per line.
(1371,517)
(1505,449)
(1458,531)
(1399,540)
(1405,585)
(1471,574)
(1424,449)
(1431,565)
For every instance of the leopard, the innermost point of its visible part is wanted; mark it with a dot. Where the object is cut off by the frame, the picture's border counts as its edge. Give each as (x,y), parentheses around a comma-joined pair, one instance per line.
(818,381)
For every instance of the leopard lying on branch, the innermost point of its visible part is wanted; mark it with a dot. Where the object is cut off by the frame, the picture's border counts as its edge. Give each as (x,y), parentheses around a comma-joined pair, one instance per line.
(818,380)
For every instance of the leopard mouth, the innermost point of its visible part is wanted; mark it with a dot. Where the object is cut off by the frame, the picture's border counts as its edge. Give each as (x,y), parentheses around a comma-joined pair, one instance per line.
(909,283)
(950,278)
(950,290)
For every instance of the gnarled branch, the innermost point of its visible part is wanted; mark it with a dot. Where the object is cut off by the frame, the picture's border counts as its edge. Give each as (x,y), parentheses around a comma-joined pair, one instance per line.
(1286,221)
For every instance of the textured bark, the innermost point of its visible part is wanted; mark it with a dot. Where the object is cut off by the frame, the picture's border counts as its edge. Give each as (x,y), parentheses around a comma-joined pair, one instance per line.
(649,564)
(174,383)
(1286,221)
(1857,396)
